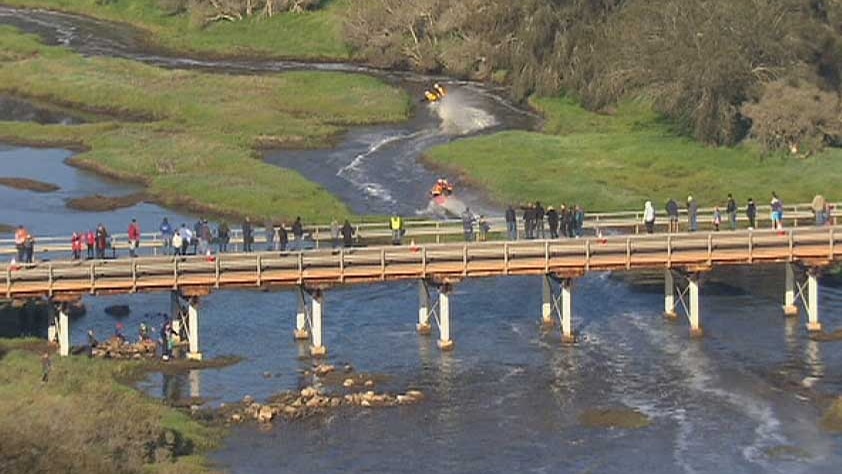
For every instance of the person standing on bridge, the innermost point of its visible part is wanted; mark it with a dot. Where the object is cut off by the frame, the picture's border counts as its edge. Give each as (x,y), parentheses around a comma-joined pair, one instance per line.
(166,231)
(334,233)
(539,220)
(468,224)
(717,218)
(248,235)
(511,223)
(649,217)
(578,220)
(298,233)
(527,221)
(731,210)
(223,236)
(347,234)
(672,215)
(751,214)
(186,238)
(90,242)
(692,214)
(101,241)
(396,225)
(552,222)
(283,236)
(134,238)
(20,242)
(777,212)
(76,246)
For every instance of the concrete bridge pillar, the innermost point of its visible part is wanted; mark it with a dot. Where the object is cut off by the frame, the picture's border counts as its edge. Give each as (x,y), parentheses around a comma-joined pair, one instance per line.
(813,324)
(547,302)
(301,333)
(59,329)
(693,305)
(445,343)
(317,349)
(424,327)
(567,311)
(669,295)
(790,309)
(193,329)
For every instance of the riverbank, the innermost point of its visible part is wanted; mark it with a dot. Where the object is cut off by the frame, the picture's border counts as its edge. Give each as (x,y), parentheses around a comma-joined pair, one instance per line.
(83,419)
(197,146)
(617,161)
(312,36)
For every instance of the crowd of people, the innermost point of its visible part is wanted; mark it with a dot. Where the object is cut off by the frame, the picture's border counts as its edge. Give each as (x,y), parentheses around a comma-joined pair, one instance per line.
(538,222)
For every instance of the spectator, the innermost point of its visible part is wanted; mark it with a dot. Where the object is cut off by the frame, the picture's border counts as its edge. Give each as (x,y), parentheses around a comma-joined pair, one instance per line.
(396,225)
(205,237)
(692,213)
(90,242)
(483,227)
(528,221)
(731,210)
(134,238)
(717,218)
(76,246)
(166,231)
(29,249)
(649,217)
(820,209)
(101,239)
(578,220)
(20,242)
(751,214)
(777,212)
(672,214)
(186,238)
(283,237)
(248,235)
(511,223)
(223,236)
(334,233)
(468,224)
(178,244)
(298,233)
(347,234)
(552,222)
(539,220)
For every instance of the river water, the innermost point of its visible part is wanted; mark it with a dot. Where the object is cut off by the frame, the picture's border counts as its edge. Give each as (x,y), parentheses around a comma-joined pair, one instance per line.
(509,397)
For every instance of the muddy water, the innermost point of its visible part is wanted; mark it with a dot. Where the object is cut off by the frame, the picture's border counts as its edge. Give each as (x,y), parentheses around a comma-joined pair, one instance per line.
(509,398)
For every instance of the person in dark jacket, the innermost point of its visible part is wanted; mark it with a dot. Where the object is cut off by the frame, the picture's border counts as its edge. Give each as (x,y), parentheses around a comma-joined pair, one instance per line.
(751,213)
(347,234)
(578,220)
(511,223)
(298,233)
(528,221)
(692,214)
(539,220)
(552,222)
(731,210)
(248,235)
(223,236)
(672,214)
(283,237)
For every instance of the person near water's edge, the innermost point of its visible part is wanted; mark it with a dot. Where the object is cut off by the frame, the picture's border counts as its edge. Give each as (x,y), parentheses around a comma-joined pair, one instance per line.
(46,366)
(396,225)
(511,223)
(649,217)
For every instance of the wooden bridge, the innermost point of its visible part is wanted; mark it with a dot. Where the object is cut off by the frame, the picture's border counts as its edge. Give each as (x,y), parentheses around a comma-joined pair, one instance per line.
(682,257)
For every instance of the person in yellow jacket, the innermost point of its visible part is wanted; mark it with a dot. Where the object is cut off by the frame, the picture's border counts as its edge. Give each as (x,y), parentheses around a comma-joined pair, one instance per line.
(397,227)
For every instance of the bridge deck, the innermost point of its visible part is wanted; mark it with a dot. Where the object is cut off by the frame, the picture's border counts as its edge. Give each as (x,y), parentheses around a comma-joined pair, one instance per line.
(693,251)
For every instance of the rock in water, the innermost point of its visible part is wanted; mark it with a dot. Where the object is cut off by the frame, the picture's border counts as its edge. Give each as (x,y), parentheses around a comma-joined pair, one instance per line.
(118,310)
(265,414)
(625,418)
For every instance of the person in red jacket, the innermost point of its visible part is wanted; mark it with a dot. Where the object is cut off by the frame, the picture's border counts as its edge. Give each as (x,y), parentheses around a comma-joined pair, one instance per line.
(90,241)
(134,238)
(76,246)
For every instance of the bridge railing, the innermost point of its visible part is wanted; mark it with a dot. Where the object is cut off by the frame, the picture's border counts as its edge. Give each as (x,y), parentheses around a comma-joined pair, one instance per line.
(459,260)
(438,231)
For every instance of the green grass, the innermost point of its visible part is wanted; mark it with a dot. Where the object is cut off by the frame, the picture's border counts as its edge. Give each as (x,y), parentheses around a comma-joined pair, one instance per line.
(312,35)
(197,139)
(616,162)
(84,420)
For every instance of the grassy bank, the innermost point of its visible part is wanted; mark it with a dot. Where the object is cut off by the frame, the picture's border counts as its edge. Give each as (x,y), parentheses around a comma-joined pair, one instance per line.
(84,420)
(312,35)
(615,162)
(196,142)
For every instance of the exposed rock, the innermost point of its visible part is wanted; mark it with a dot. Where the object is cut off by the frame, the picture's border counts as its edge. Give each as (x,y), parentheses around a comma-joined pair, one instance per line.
(248,400)
(118,310)
(416,394)
(236,418)
(265,414)
(348,383)
(100,203)
(625,418)
(28,185)
(323,369)
(369,383)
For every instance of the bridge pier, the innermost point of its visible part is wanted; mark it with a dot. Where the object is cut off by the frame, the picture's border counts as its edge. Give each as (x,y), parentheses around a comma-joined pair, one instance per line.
(317,349)
(790,309)
(567,311)
(301,333)
(669,295)
(687,292)
(547,302)
(59,329)
(193,328)
(813,324)
(444,342)
(424,327)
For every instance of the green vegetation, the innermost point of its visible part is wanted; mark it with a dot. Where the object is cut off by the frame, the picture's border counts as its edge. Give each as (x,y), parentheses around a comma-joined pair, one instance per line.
(195,144)
(312,35)
(616,162)
(84,420)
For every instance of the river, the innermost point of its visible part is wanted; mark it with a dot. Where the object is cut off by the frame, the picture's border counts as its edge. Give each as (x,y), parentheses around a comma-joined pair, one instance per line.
(509,397)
